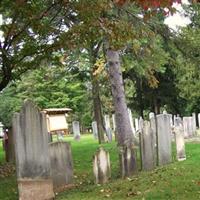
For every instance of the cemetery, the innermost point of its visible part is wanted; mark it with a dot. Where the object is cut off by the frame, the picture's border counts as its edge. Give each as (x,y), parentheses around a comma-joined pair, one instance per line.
(99,100)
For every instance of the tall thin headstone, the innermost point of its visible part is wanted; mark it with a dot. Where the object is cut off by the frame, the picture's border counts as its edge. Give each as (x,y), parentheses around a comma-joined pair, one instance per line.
(76,130)
(61,164)
(188,126)
(131,121)
(152,120)
(179,139)
(194,123)
(164,139)
(113,122)
(148,157)
(108,127)
(199,120)
(136,124)
(32,155)
(95,129)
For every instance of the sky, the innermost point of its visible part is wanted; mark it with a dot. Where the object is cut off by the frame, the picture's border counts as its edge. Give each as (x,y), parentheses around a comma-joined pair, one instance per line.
(178,19)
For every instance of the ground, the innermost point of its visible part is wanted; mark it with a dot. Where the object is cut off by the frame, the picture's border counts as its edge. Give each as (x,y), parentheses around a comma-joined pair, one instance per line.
(179,180)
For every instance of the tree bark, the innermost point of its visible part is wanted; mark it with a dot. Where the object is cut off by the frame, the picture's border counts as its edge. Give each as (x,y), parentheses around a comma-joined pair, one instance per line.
(97,109)
(125,136)
(127,157)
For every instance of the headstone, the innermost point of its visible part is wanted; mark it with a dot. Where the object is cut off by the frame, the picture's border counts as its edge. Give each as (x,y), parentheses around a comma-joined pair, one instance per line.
(108,127)
(147,147)
(101,166)
(179,139)
(141,123)
(152,120)
(113,122)
(136,124)
(131,122)
(188,126)
(177,121)
(194,124)
(32,155)
(76,130)
(164,139)
(127,159)
(61,164)
(199,120)
(95,130)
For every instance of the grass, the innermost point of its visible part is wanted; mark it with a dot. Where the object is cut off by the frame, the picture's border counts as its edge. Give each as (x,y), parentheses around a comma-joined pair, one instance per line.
(176,181)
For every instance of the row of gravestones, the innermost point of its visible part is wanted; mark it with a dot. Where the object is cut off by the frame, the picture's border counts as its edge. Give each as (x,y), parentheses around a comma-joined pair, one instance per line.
(155,146)
(41,167)
(189,125)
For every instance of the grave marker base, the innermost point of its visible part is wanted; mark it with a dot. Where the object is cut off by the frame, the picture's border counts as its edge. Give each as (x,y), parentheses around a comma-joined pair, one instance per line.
(35,189)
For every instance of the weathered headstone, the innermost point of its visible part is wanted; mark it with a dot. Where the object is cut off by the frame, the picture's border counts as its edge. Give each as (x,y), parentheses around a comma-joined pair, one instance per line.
(127,159)
(194,124)
(152,120)
(113,122)
(61,164)
(108,127)
(179,139)
(76,130)
(131,122)
(164,139)
(32,155)
(136,124)
(101,166)
(147,147)
(141,123)
(188,126)
(199,120)
(94,129)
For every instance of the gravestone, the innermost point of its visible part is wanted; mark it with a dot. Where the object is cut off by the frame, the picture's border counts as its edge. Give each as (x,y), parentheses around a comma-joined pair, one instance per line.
(108,127)
(61,164)
(152,120)
(141,123)
(147,147)
(164,139)
(76,130)
(177,121)
(32,155)
(136,124)
(194,124)
(101,166)
(131,122)
(127,159)
(113,122)
(188,126)
(199,120)
(179,140)
(95,130)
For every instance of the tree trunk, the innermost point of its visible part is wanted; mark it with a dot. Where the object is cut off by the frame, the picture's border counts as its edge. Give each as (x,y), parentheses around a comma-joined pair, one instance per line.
(123,126)
(97,109)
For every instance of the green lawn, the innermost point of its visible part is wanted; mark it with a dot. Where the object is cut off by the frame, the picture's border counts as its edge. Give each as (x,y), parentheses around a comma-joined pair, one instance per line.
(179,180)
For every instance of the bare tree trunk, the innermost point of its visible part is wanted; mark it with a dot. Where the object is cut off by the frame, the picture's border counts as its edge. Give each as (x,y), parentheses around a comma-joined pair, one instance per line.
(97,109)
(123,126)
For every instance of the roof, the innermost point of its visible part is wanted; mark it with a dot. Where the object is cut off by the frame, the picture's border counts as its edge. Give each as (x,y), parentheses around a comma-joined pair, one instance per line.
(57,110)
